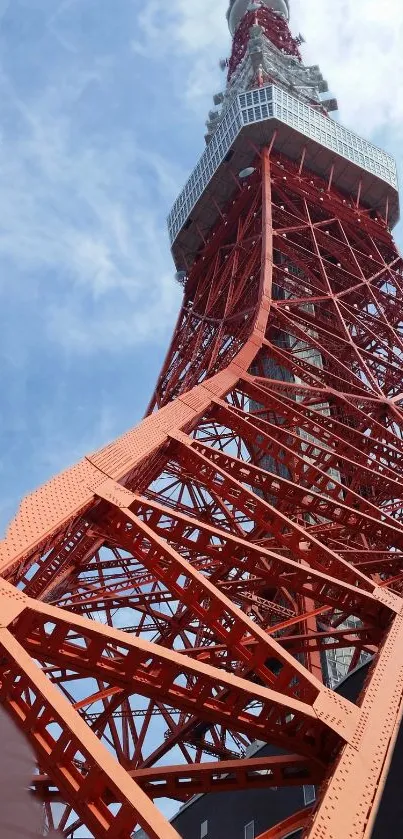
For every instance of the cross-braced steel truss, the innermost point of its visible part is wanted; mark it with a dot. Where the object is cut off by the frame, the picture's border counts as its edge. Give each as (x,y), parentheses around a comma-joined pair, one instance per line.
(173,597)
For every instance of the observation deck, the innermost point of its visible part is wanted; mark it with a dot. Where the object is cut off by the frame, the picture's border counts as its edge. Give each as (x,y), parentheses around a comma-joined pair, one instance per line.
(250,122)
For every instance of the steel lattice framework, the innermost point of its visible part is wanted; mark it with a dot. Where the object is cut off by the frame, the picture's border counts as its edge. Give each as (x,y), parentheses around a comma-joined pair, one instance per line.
(171,598)
(274,27)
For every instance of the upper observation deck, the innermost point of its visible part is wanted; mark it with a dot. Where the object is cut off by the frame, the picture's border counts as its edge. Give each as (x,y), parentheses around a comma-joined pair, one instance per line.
(251,121)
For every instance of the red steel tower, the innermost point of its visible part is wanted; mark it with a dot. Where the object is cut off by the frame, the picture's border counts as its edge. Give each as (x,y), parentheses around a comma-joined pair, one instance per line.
(175,596)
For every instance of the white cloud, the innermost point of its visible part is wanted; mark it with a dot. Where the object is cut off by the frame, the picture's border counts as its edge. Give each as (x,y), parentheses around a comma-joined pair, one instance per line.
(63,449)
(195,26)
(359,47)
(130,323)
(79,217)
(194,31)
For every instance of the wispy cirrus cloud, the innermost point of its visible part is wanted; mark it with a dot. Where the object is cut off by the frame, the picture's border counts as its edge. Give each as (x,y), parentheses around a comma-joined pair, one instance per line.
(196,34)
(82,225)
(359,47)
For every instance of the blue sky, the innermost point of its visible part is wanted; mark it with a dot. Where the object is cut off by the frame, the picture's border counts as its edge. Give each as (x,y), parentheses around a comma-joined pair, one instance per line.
(103,104)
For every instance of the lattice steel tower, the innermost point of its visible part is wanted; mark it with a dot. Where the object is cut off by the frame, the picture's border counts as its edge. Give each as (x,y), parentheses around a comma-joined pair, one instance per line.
(174,596)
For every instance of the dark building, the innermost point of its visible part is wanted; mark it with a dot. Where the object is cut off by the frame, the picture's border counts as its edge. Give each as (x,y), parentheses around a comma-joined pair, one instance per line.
(240,815)
(247,814)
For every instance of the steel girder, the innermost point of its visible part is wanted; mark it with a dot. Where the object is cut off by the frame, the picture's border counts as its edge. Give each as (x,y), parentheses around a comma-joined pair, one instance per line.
(171,597)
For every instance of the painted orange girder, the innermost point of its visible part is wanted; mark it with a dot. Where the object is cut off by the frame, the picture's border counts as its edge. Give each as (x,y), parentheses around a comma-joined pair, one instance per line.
(168,600)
